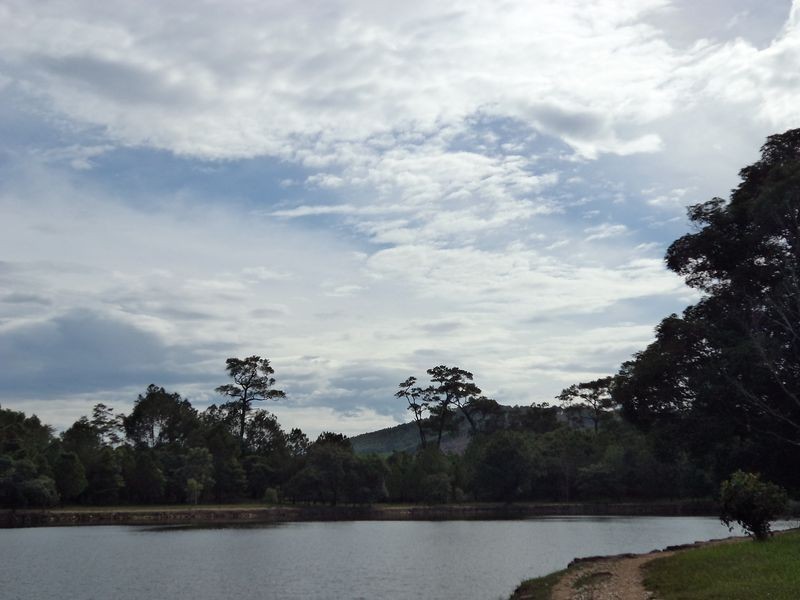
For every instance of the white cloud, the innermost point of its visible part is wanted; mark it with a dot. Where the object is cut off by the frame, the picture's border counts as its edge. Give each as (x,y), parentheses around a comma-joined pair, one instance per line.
(266,73)
(604,231)
(436,157)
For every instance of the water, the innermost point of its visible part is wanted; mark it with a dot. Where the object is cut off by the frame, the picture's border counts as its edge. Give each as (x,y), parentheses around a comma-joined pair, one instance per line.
(376,560)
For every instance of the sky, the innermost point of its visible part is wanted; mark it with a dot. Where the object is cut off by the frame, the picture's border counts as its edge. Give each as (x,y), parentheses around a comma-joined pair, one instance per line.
(361,190)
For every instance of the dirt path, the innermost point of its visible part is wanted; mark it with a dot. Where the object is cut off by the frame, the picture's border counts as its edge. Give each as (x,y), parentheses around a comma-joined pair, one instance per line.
(612,578)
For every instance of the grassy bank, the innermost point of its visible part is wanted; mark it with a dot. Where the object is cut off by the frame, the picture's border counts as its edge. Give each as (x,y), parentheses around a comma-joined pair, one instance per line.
(538,588)
(737,571)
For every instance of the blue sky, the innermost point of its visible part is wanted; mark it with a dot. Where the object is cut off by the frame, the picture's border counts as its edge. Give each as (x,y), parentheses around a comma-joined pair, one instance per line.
(360,190)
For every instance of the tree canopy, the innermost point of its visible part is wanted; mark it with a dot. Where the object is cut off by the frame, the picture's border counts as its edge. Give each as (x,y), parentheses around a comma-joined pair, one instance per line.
(252,381)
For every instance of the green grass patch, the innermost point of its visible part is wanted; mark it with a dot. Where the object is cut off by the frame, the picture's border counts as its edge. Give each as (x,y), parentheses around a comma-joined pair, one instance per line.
(736,571)
(538,588)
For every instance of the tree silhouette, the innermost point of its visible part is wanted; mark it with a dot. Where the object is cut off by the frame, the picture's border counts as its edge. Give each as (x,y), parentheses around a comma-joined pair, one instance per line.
(252,381)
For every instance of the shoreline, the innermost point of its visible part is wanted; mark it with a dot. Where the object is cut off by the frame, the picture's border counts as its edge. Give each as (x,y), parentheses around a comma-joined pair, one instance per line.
(249,514)
(612,576)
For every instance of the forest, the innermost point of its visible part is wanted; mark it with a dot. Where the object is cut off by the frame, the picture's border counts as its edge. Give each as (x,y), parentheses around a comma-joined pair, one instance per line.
(718,390)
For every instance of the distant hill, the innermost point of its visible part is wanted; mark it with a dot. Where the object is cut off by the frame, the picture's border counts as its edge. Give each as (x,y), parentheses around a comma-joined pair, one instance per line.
(405,437)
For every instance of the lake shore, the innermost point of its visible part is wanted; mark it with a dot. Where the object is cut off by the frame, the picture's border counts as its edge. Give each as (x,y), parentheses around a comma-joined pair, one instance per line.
(625,576)
(255,514)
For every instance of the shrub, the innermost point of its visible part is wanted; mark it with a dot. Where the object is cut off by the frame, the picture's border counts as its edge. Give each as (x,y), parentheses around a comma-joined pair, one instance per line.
(270,496)
(752,503)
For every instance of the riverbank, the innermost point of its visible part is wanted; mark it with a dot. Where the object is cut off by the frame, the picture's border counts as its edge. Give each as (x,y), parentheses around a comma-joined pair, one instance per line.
(254,514)
(734,568)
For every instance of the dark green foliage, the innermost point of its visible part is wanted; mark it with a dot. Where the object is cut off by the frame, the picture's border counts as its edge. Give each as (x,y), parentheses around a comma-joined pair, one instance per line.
(592,398)
(25,473)
(108,425)
(146,480)
(252,381)
(70,476)
(451,390)
(504,465)
(22,436)
(565,451)
(105,478)
(263,434)
(22,487)
(160,418)
(84,440)
(723,379)
(399,479)
(199,467)
(333,474)
(262,473)
(752,503)
(297,443)
(230,480)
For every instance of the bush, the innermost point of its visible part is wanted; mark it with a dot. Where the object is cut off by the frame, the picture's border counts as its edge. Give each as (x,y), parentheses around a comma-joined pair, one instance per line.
(270,496)
(751,503)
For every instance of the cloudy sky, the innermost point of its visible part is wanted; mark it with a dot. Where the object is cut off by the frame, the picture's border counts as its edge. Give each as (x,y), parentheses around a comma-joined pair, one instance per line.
(360,190)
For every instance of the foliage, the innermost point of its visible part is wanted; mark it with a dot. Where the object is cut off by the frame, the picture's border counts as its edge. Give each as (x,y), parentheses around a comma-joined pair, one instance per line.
(504,465)
(451,389)
(70,476)
(752,503)
(252,381)
(724,377)
(593,397)
(159,419)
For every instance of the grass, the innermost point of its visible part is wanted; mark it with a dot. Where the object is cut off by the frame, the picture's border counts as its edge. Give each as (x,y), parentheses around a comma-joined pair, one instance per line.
(736,571)
(538,588)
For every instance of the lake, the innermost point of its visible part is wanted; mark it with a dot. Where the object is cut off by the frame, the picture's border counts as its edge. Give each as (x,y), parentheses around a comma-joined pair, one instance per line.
(430,560)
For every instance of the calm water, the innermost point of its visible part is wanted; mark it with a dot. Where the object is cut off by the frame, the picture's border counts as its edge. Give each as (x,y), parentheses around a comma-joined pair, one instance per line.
(480,560)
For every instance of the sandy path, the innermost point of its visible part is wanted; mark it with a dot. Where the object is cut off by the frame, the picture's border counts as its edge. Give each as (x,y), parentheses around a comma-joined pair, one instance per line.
(612,578)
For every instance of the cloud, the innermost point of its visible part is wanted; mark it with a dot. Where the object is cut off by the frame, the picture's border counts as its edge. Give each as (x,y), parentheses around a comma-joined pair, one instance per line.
(79,351)
(361,190)
(23,298)
(604,231)
(348,73)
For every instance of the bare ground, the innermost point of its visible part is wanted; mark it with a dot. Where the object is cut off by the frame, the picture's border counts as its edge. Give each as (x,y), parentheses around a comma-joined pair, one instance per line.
(615,578)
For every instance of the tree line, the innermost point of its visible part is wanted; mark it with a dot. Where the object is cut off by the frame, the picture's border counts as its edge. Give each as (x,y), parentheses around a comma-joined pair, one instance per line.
(717,391)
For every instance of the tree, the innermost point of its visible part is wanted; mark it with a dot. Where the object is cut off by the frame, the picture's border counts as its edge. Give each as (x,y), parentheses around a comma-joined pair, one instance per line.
(752,503)
(297,442)
(454,388)
(105,478)
(721,381)
(745,259)
(160,418)
(252,381)
(108,425)
(70,476)
(593,396)
(199,468)
(417,403)
(263,433)
(147,479)
(451,388)
(503,465)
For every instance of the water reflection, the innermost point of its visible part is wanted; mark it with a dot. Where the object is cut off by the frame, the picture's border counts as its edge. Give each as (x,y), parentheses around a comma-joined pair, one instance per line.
(394,560)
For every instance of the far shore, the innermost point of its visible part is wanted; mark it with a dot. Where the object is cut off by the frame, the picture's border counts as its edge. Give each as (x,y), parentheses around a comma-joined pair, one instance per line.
(255,513)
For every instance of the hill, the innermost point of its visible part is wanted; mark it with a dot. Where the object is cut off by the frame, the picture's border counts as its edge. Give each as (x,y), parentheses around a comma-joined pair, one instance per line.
(405,437)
